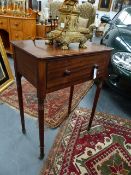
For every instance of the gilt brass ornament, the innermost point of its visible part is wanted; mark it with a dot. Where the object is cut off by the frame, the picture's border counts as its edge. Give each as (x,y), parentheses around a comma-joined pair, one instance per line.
(67,30)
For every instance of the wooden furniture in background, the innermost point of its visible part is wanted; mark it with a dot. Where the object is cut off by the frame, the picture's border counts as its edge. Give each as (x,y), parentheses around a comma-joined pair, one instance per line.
(16,28)
(49,68)
(42,30)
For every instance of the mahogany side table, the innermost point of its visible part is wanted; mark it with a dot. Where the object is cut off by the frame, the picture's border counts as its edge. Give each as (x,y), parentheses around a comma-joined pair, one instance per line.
(49,68)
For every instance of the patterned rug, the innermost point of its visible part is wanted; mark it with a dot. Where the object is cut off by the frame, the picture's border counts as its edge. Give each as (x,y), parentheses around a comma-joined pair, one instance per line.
(104,150)
(56,103)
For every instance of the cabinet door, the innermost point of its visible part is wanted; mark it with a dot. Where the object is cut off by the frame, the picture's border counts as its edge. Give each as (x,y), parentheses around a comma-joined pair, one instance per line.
(29,29)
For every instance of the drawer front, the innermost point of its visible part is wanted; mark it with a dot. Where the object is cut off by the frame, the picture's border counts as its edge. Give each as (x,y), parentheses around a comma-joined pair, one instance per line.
(17,35)
(62,73)
(16,24)
(3,23)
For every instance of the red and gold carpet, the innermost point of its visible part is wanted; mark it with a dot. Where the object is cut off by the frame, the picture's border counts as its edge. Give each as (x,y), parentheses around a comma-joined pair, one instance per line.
(56,103)
(104,150)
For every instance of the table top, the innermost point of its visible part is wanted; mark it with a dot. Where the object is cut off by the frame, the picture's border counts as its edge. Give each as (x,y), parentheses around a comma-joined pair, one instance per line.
(41,50)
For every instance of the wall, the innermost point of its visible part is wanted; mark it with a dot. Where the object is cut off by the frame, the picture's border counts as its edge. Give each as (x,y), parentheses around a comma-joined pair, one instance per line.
(111,14)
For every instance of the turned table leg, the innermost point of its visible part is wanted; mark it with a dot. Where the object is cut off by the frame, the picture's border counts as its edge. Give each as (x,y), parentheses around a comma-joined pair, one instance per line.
(41,125)
(99,87)
(70,99)
(41,121)
(20,99)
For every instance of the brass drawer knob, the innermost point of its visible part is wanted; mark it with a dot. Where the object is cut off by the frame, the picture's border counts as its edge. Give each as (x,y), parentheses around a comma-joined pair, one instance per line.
(16,35)
(67,72)
(1,22)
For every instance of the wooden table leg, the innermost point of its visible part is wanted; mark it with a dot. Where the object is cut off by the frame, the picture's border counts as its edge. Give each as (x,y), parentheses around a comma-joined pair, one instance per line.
(20,99)
(41,123)
(70,99)
(99,87)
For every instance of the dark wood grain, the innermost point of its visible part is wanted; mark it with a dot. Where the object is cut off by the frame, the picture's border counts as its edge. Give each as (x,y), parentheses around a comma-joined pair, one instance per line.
(49,69)
(41,94)
(40,50)
(80,67)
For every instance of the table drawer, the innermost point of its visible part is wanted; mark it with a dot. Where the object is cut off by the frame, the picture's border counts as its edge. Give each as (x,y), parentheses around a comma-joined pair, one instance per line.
(16,24)
(66,71)
(18,35)
(3,23)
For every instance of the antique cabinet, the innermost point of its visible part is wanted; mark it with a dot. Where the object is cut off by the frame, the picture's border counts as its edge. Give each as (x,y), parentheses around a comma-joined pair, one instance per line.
(16,28)
(42,30)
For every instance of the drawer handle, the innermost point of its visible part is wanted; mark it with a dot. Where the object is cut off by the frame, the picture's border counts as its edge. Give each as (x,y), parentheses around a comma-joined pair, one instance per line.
(67,72)
(16,24)
(16,35)
(1,22)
